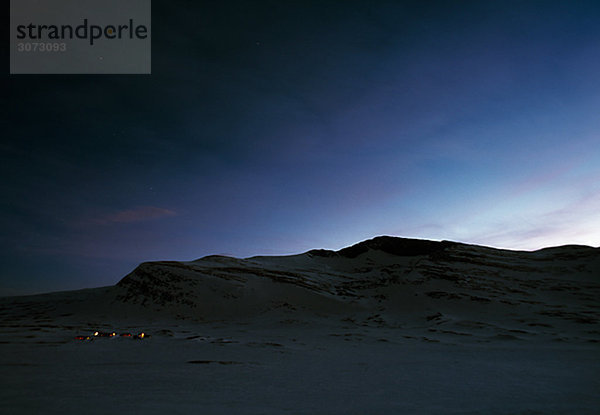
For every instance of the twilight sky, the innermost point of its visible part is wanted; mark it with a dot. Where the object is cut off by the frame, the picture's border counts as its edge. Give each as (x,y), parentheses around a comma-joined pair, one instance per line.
(274,128)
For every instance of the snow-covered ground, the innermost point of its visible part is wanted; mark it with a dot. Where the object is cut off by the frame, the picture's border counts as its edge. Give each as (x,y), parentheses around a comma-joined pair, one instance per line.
(389,326)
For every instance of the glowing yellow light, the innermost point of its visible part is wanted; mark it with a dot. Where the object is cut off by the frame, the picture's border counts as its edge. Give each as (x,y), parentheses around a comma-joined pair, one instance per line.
(95,333)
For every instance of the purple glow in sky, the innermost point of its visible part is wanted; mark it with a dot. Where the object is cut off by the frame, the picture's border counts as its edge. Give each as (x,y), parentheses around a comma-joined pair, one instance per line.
(270,128)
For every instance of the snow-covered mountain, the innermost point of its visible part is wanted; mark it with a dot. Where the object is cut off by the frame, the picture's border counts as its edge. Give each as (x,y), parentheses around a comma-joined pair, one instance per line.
(386,281)
(391,274)
(388,325)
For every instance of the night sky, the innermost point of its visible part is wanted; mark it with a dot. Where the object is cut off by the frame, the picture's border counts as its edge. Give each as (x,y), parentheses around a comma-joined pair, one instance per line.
(277,127)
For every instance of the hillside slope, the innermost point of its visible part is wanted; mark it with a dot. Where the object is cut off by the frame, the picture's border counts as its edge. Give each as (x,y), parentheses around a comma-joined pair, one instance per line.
(387,281)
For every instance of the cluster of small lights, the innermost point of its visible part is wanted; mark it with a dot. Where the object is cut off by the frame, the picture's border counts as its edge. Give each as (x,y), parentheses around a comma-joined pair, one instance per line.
(138,336)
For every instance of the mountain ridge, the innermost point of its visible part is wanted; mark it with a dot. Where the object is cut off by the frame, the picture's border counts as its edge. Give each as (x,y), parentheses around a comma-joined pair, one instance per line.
(384,282)
(381,272)
(402,246)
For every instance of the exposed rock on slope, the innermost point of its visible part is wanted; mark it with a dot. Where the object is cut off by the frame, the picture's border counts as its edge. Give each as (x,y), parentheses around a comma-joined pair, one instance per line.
(390,245)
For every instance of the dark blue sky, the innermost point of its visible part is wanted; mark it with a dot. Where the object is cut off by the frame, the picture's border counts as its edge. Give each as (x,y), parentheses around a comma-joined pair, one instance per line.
(278,127)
